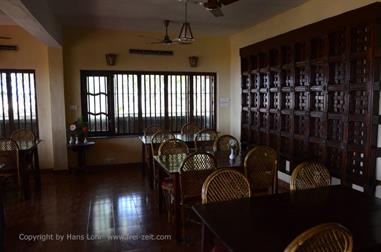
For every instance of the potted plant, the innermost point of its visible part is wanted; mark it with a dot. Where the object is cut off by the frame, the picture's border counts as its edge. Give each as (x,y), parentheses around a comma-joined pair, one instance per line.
(78,129)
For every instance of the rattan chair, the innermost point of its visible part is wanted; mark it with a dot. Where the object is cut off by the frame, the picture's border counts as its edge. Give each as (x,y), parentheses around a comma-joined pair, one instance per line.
(309,175)
(171,146)
(224,185)
(260,168)
(156,140)
(223,143)
(327,237)
(23,135)
(9,157)
(193,172)
(204,139)
(189,129)
(150,130)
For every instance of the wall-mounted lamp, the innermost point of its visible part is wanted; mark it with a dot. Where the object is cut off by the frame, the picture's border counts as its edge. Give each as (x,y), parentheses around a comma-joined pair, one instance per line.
(111,59)
(193,61)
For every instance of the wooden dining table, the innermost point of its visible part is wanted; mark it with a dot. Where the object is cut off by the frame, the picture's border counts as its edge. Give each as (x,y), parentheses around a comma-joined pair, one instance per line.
(147,155)
(26,150)
(169,165)
(270,223)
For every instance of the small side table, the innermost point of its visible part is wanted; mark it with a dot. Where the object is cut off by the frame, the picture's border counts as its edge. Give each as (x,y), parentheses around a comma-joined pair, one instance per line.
(81,150)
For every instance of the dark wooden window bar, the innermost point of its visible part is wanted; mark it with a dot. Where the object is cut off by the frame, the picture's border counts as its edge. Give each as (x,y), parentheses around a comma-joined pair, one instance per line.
(124,102)
(18,101)
(313,93)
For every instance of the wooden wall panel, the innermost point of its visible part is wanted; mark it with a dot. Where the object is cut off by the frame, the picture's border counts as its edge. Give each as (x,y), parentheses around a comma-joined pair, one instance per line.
(312,94)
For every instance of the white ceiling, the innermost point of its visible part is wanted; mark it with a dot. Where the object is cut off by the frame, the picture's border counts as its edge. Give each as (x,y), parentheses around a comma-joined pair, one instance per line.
(147,15)
(5,20)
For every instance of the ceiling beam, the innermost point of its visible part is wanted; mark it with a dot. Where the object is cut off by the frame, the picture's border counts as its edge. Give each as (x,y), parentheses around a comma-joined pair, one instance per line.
(36,18)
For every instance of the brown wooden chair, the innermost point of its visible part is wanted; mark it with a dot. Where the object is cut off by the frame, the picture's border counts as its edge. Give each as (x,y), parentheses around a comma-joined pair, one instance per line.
(189,129)
(9,160)
(150,130)
(171,146)
(156,140)
(309,175)
(224,185)
(193,172)
(223,143)
(204,139)
(330,237)
(260,168)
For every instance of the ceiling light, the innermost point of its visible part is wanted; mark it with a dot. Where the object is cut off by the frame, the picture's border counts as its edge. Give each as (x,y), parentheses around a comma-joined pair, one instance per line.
(186,35)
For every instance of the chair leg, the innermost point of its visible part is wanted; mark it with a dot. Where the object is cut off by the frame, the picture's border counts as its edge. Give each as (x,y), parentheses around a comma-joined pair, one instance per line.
(167,200)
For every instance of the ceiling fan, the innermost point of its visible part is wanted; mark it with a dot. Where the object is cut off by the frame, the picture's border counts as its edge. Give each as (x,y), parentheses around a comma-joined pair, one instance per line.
(214,6)
(166,40)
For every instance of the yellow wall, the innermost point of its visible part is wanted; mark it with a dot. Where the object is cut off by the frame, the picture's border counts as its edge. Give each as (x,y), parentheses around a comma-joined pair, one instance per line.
(32,54)
(308,13)
(84,49)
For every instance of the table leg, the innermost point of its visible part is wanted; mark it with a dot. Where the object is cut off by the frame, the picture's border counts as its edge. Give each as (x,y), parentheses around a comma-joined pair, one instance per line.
(160,191)
(178,220)
(36,165)
(81,159)
(24,181)
(143,160)
(2,225)
(151,167)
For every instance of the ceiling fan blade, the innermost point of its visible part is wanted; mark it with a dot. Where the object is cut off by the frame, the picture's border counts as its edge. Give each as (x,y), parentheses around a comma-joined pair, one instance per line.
(211,5)
(227,2)
(4,37)
(168,43)
(217,12)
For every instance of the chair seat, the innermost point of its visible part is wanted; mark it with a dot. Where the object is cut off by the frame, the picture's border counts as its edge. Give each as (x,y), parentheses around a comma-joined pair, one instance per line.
(167,184)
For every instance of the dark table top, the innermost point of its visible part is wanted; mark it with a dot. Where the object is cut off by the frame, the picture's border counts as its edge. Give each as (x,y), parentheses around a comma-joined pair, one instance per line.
(185,138)
(172,163)
(81,145)
(270,223)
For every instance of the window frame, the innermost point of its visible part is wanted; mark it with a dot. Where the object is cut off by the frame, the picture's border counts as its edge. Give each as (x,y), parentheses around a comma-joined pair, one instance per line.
(111,103)
(12,122)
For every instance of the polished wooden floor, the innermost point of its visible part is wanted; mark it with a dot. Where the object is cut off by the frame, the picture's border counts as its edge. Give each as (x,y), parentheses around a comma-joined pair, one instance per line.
(103,203)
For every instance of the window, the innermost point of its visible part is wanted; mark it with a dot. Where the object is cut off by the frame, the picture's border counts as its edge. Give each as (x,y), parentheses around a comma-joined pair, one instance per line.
(124,103)
(18,107)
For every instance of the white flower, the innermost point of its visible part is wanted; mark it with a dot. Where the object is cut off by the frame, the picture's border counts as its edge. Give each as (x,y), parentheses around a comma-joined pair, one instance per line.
(72,127)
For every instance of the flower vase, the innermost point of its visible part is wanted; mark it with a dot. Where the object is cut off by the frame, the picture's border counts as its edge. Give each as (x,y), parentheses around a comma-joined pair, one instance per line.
(76,140)
(85,140)
(71,140)
(232,154)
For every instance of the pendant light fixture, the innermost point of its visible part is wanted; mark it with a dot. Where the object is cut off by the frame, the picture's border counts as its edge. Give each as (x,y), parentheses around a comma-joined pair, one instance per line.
(186,35)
